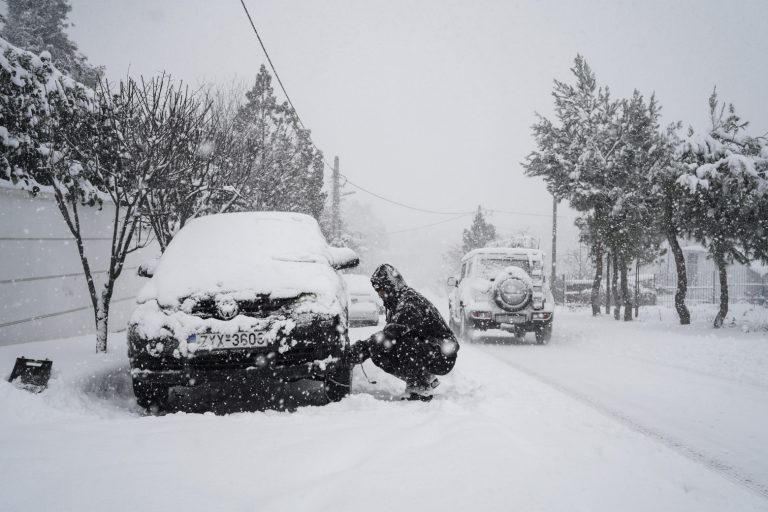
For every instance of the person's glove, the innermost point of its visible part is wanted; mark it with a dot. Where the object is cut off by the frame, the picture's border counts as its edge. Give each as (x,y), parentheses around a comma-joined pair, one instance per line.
(394,332)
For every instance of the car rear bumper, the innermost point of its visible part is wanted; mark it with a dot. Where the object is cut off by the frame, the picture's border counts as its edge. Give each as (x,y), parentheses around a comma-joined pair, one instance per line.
(530,324)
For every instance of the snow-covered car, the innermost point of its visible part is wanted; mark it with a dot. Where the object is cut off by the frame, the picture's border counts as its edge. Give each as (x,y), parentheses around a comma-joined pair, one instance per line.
(252,295)
(365,305)
(501,288)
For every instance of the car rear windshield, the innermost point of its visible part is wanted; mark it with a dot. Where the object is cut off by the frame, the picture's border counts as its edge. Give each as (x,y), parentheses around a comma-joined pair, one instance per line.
(487,268)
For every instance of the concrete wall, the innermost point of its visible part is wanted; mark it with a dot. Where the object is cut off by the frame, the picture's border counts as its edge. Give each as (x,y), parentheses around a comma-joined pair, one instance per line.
(43,293)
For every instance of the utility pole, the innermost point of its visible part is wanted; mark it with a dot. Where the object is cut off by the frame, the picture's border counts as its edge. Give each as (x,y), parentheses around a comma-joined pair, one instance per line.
(554,242)
(335,203)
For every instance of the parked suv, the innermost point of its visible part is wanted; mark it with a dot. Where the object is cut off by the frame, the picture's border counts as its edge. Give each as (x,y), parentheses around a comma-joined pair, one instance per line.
(242,296)
(501,288)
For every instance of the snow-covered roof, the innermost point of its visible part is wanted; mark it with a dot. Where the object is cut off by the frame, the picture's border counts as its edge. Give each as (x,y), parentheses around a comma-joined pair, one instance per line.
(266,253)
(505,251)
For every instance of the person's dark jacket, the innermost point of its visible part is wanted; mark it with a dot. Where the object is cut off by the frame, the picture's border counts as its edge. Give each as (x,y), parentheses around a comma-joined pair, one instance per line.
(414,320)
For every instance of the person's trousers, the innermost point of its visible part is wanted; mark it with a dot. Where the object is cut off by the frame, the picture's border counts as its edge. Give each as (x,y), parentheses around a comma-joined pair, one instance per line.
(412,360)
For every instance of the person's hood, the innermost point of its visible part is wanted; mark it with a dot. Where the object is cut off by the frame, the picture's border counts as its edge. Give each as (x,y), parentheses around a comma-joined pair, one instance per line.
(387,278)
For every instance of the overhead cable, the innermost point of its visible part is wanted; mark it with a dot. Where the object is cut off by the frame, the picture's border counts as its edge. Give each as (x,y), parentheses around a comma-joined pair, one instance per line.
(374,194)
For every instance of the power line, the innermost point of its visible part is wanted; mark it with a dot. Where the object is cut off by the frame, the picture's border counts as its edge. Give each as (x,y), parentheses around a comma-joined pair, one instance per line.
(325,162)
(269,59)
(398,203)
(429,225)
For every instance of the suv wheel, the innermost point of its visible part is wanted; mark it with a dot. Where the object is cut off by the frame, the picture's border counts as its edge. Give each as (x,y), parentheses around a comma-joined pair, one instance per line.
(338,382)
(544,334)
(150,395)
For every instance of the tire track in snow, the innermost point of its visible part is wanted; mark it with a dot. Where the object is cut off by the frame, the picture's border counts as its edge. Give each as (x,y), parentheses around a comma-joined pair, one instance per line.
(698,457)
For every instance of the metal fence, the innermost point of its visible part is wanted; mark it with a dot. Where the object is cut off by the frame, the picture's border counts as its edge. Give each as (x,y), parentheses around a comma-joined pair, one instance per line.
(658,283)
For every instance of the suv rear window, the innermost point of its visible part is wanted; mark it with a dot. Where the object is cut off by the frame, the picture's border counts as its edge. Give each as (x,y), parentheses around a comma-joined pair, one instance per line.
(487,268)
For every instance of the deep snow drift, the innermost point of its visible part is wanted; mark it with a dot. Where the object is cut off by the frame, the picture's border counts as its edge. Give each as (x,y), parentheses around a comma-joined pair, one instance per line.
(609,416)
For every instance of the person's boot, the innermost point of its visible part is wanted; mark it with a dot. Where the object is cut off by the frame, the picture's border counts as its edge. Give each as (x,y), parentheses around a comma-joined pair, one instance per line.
(422,390)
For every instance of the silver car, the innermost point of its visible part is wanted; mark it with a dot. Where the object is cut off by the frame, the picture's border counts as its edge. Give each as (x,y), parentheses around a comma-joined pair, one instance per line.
(365,305)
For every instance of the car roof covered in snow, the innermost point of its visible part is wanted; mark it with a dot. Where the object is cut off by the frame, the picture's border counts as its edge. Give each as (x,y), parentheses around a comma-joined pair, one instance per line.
(504,251)
(268,253)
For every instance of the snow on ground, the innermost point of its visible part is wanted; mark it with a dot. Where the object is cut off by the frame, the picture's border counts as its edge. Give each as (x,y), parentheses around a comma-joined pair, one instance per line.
(609,416)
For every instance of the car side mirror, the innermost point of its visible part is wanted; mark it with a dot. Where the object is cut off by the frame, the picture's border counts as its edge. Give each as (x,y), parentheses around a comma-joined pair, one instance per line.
(452,281)
(342,257)
(147,269)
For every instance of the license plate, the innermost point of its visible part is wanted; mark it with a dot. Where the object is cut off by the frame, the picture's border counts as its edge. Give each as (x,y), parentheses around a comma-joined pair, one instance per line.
(511,319)
(215,341)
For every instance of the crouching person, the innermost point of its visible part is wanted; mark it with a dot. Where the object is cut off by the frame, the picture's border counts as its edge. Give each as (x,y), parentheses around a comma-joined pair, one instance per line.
(415,345)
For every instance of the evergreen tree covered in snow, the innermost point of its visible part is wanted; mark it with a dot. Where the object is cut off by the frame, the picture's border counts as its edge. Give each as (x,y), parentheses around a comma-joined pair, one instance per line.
(32,90)
(634,232)
(671,218)
(599,155)
(577,155)
(723,172)
(40,26)
(479,234)
(286,173)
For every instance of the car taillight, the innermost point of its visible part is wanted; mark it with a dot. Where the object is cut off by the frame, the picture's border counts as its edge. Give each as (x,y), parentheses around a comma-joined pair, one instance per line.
(480,315)
(541,316)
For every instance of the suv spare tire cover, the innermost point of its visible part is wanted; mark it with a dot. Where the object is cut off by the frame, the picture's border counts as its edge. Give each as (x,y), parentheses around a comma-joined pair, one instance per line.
(512,289)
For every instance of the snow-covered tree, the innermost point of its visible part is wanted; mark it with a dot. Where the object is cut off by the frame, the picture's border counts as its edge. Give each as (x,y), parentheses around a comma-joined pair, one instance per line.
(634,232)
(202,171)
(671,218)
(723,173)
(287,172)
(577,155)
(598,155)
(40,26)
(479,234)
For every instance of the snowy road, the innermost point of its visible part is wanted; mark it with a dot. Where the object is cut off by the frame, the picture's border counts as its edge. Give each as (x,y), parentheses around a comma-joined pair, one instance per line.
(608,417)
(713,419)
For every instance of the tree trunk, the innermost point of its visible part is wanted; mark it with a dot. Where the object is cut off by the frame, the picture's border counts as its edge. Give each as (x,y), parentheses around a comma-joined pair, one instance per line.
(682,278)
(607,283)
(719,256)
(625,292)
(102,320)
(595,298)
(615,287)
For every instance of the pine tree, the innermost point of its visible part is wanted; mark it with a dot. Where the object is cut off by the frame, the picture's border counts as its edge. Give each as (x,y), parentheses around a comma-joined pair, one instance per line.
(598,155)
(40,26)
(479,234)
(286,173)
(723,175)
(577,156)
(666,198)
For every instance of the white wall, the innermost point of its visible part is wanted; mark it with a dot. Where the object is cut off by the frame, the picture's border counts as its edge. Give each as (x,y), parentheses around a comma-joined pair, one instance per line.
(43,293)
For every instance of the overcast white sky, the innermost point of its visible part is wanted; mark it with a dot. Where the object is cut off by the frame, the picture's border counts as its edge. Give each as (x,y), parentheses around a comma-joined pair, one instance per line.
(431,102)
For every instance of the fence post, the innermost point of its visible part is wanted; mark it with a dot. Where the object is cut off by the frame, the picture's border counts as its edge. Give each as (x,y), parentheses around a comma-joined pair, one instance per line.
(714,288)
